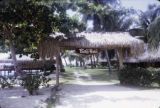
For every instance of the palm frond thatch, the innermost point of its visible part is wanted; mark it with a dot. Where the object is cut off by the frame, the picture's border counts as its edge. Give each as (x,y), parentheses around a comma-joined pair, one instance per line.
(108,40)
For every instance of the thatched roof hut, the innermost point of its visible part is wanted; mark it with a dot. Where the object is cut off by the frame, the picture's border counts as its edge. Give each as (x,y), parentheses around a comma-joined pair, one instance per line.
(122,42)
(108,40)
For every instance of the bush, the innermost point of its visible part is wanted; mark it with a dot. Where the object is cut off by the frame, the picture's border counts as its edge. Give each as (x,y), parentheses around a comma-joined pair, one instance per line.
(32,82)
(4,83)
(157,78)
(135,76)
(156,75)
(7,82)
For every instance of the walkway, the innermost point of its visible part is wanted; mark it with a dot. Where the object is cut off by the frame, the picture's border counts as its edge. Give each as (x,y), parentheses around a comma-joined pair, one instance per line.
(93,94)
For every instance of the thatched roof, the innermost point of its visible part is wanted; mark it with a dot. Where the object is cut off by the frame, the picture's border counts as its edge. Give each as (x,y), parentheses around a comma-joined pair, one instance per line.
(147,56)
(108,40)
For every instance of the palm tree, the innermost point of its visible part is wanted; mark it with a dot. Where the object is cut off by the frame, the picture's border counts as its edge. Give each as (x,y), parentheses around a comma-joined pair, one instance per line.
(118,20)
(154,33)
(146,18)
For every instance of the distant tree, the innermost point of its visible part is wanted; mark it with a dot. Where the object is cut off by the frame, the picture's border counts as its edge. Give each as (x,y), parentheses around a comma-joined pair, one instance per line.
(146,18)
(154,33)
(105,16)
(118,20)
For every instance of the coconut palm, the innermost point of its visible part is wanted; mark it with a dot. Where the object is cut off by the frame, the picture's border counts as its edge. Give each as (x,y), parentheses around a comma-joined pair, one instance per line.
(154,33)
(146,18)
(118,20)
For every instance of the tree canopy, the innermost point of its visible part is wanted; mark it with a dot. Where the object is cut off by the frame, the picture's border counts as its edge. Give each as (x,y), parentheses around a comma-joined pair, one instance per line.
(154,33)
(26,22)
(105,15)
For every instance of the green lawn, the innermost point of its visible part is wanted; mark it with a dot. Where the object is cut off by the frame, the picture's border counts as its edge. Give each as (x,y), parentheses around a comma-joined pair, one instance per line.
(100,75)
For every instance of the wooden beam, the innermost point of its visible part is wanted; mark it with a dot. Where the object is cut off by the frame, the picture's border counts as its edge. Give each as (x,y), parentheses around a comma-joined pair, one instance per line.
(57,67)
(60,63)
(109,63)
(117,56)
(120,57)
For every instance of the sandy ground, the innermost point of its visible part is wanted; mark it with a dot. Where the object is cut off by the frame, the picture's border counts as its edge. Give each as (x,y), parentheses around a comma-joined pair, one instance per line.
(81,94)
(19,98)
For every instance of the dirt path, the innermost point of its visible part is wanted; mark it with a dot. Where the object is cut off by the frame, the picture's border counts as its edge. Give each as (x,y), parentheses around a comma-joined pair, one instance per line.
(92,94)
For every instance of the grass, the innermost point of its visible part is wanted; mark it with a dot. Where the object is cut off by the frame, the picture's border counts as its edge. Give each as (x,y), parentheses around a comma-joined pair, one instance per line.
(101,75)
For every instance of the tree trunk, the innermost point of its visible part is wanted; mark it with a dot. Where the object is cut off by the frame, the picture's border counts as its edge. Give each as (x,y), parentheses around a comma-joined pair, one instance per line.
(65,61)
(70,63)
(76,62)
(81,63)
(97,58)
(13,54)
(109,63)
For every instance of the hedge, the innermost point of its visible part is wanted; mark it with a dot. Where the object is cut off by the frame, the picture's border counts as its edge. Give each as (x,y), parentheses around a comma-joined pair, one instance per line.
(138,76)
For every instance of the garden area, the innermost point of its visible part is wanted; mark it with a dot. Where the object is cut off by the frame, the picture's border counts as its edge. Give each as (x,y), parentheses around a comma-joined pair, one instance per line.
(79,54)
(93,88)
(90,88)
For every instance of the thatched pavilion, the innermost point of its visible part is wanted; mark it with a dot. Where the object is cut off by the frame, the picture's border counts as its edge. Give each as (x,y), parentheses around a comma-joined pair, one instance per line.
(146,59)
(123,43)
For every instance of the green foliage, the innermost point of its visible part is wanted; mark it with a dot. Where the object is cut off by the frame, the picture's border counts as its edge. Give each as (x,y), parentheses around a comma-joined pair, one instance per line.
(135,76)
(156,75)
(106,17)
(138,76)
(26,22)
(154,33)
(147,17)
(5,82)
(32,82)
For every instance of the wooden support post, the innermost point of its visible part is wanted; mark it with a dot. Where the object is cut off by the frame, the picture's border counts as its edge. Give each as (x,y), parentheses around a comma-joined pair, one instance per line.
(109,63)
(117,56)
(91,61)
(120,54)
(94,59)
(97,58)
(60,63)
(57,67)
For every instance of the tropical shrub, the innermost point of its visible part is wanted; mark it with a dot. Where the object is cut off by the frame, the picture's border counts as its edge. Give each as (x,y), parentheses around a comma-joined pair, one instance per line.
(136,76)
(7,81)
(4,83)
(32,82)
(156,75)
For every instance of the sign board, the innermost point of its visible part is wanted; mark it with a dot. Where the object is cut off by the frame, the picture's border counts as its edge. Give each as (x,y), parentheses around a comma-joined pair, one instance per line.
(87,51)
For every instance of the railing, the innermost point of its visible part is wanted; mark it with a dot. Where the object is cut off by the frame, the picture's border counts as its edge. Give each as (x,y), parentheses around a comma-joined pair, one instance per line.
(7,67)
